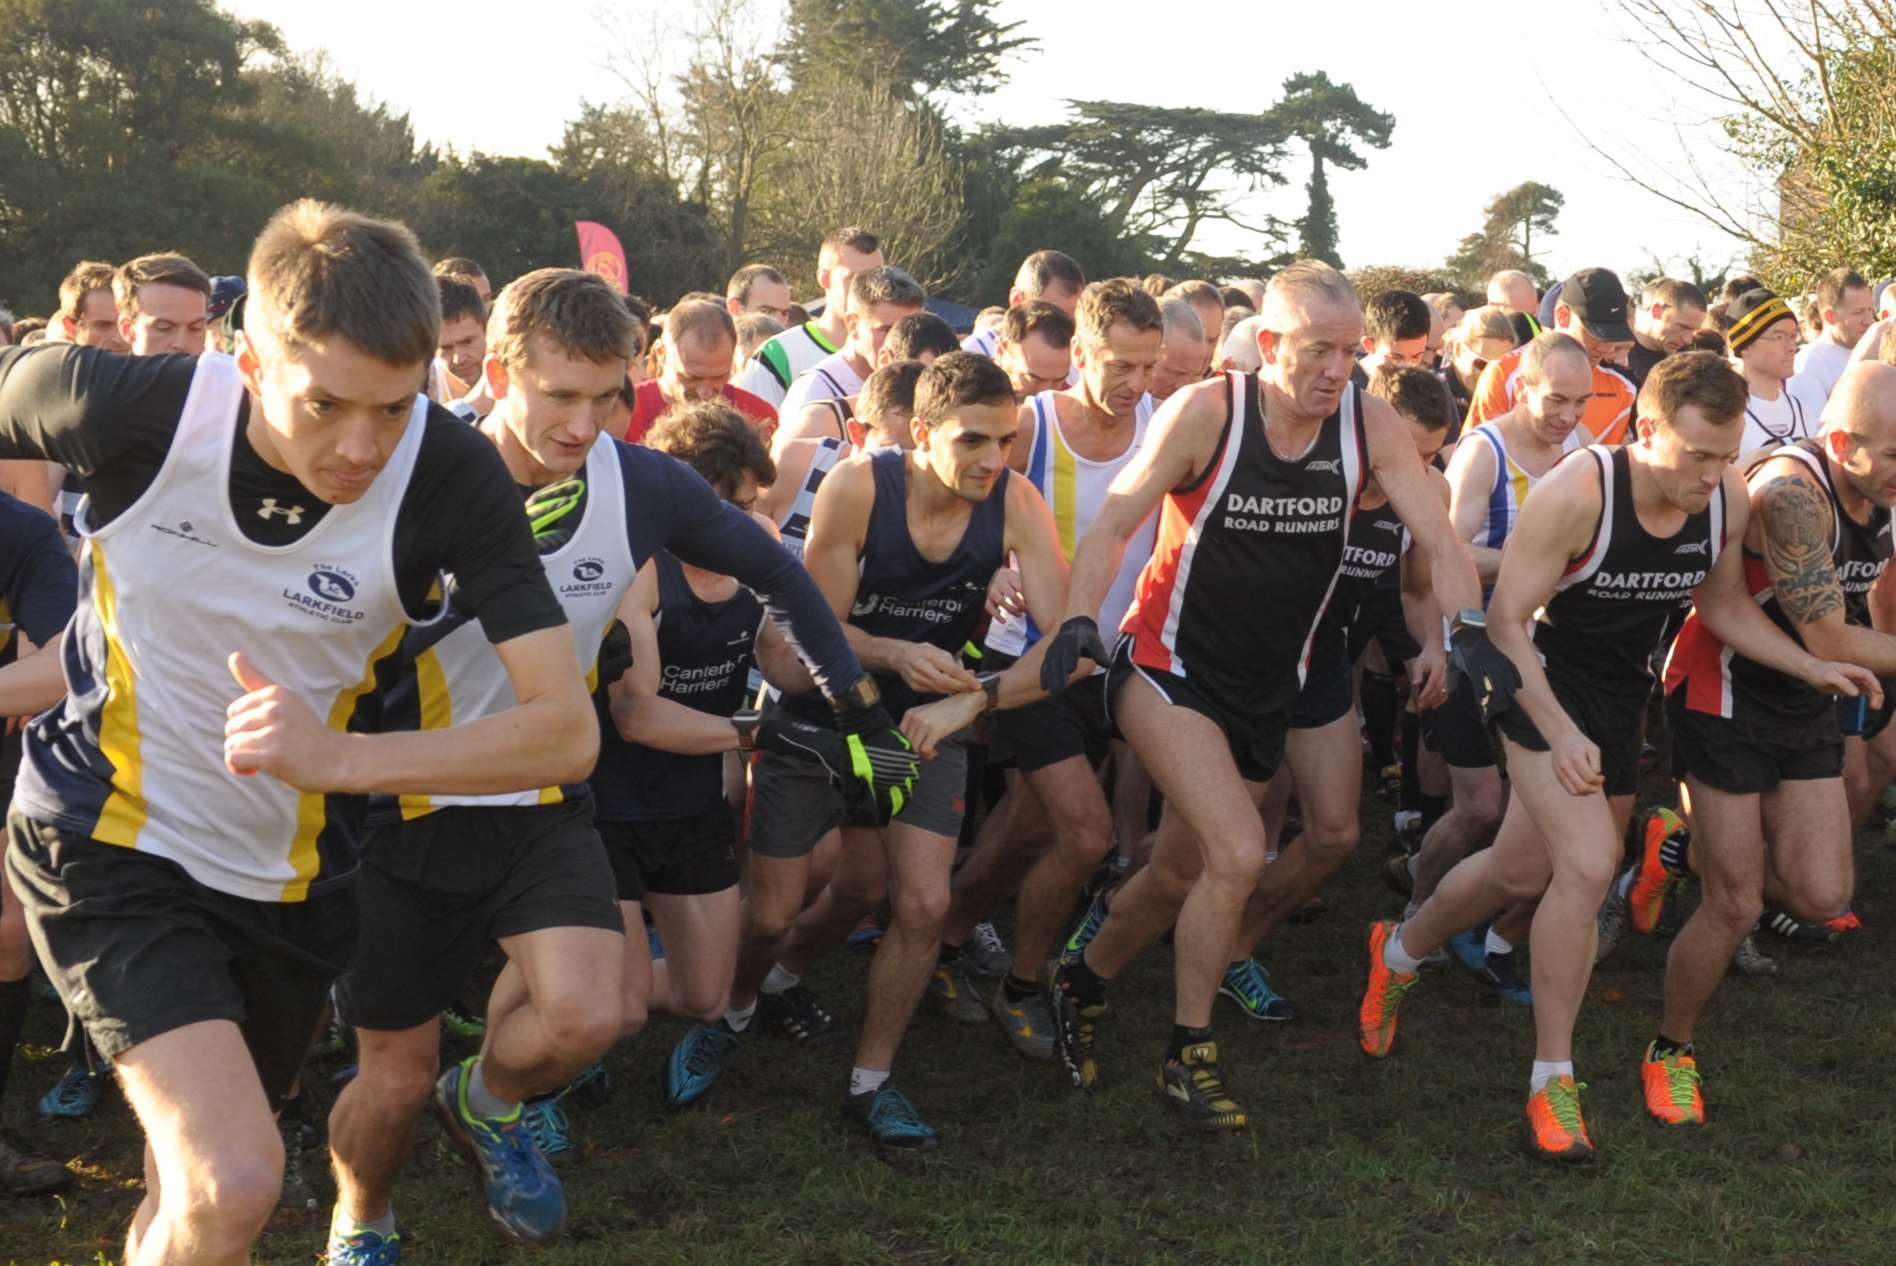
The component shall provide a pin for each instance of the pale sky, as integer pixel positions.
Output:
(1473, 115)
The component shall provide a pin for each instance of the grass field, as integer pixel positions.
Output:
(1413, 1160)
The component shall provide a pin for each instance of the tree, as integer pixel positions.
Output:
(1047, 212)
(1506, 238)
(914, 47)
(1376, 278)
(1331, 120)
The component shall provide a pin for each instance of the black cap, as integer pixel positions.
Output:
(225, 291)
(1597, 298)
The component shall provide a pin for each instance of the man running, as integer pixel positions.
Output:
(1611, 544)
(164, 305)
(793, 353)
(1185, 353)
(444, 874)
(1761, 333)
(182, 842)
(1036, 348)
(700, 344)
(1670, 312)
(1255, 478)
(759, 290)
(1844, 305)
(1396, 325)
(1758, 750)
(1045, 276)
(1592, 309)
(878, 298)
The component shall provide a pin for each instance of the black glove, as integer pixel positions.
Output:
(785, 735)
(881, 765)
(1077, 639)
(615, 653)
(1487, 667)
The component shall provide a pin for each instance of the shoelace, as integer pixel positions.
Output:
(1681, 1080)
(989, 938)
(892, 1108)
(1254, 983)
(76, 1089)
(1563, 1101)
(547, 1125)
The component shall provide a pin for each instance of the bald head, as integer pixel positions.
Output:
(1512, 289)
(1863, 404)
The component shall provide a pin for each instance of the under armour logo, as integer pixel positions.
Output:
(270, 507)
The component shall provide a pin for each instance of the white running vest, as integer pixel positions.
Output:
(1075, 488)
(461, 679)
(168, 590)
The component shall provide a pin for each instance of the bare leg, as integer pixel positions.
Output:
(1728, 853)
(372, 1126)
(919, 862)
(573, 979)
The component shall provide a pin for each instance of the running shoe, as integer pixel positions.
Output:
(1073, 1027)
(1086, 929)
(1502, 976)
(953, 992)
(1193, 1090)
(1027, 1023)
(867, 934)
(462, 1023)
(795, 1014)
(552, 1133)
(986, 954)
(75, 1094)
(1749, 960)
(1249, 985)
(362, 1248)
(1672, 1088)
(889, 1118)
(591, 1088)
(697, 1061)
(1614, 915)
(1470, 950)
(1784, 924)
(1376, 1018)
(24, 1172)
(1554, 1128)
(1653, 884)
(522, 1192)
(1398, 876)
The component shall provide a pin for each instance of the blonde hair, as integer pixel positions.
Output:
(319, 271)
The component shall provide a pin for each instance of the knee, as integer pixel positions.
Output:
(1331, 843)
(399, 1072)
(1086, 837)
(583, 1026)
(1238, 861)
(1480, 809)
(921, 906)
(1589, 870)
(767, 922)
(700, 1002)
(1819, 897)
(1733, 901)
(226, 1199)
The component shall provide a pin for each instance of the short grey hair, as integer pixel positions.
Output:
(1306, 281)
(1240, 350)
(1181, 321)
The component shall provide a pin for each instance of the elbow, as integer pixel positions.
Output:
(1825, 640)
(577, 752)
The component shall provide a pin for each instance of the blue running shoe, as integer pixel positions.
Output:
(1249, 985)
(696, 1062)
(552, 1133)
(75, 1094)
(1085, 930)
(522, 1192)
(1470, 949)
(363, 1248)
(866, 935)
(1500, 975)
(890, 1118)
(656, 946)
(591, 1088)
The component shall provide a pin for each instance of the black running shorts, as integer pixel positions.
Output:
(1329, 692)
(1615, 720)
(1741, 759)
(1456, 730)
(680, 857)
(1256, 738)
(1049, 731)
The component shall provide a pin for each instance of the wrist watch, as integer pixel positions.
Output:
(1468, 618)
(745, 721)
(863, 694)
(991, 687)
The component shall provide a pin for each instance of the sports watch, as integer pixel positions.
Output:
(745, 721)
(1468, 618)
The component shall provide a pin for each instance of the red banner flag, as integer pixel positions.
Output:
(600, 252)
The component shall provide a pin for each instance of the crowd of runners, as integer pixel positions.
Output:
(417, 623)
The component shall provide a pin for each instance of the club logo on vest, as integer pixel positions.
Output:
(330, 592)
(1694, 547)
(1328, 466)
(929, 610)
(185, 531)
(589, 576)
(1296, 515)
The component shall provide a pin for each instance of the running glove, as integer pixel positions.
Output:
(785, 735)
(1487, 667)
(882, 766)
(1077, 639)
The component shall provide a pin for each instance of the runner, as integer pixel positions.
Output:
(88, 316)
(163, 305)
(1758, 751)
(37, 593)
(919, 336)
(1513, 292)
(700, 349)
(1670, 312)
(1036, 348)
(141, 862)
(1761, 332)
(1204, 693)
(790, 355)
(463, 269)
(462, 345)
(878, 298)
(1610, 545)
(1396, 327)
(760, 290)
(1844, 305)
(1592, 309)
(1185, 354)
(445, 873)
(1043, 277)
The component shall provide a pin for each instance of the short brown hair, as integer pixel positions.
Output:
(575, 311)
(1673, 293)
(458, 266)
(1156, 284)
(1417, 395)
(1043, 270)
(1105, 304)
(853, 237)
(86, 276)
(920, 332)
(700, 319)
(885, 284)
(459, 299)
(1036, 317)
(318, 271)
(957, 379)
(739, 286)
(891, 387)
(716, 441)
(1831, 285)
(1705, 379)
(168, 269)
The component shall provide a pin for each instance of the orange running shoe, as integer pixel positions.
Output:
(1672, 1088)
(1653, 884)
(1376, 1018)
(1555, 1129)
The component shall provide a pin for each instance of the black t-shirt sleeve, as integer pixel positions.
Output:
(107, 418)
(462, 515)
(700, 528)
(39, 581)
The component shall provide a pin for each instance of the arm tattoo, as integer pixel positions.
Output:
(1797, 550)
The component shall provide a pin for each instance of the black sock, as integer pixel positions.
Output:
(1663, 1046)
(1379, 717)
(949, 954)
(1014, 989)
(1087, 986)
(14, 997)
(1432, 808)
(1411, 796)
(1184, 1036)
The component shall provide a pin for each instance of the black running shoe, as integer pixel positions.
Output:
(24, 1172)
(1194, 1091)
(1073, 1026)
(797, 1015)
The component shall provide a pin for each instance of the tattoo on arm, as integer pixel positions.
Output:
(1797, 550)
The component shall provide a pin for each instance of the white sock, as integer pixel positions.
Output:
(1545, 1070)
(739, 1018)
(1625, 885)
(1396, 958)
(341, 1224)
(483, 1102)
(866, 1081)
(779, 980)
(1496, 944)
